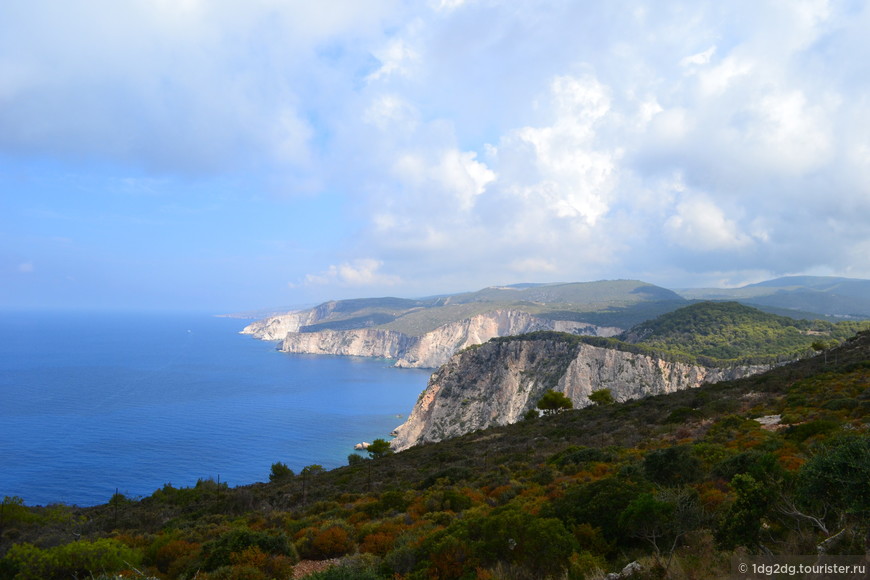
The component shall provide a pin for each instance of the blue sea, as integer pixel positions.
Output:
(94, 402)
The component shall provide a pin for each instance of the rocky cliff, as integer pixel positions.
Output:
(429, 350)
(496, 383)
(277, 327)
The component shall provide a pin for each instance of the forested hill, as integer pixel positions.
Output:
(730, 330)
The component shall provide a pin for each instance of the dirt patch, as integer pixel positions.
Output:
(306, 567)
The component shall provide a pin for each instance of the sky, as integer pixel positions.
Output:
(236, 155)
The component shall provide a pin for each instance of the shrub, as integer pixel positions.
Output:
(81, 558)
(761, 466)
(331, 542)
(597, 504)
(838, 479)
(672, 466)
(542, 546)
(218, 552)
(578, 455)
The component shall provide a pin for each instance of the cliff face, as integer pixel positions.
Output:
(498, 382)
(277, 327)
(430, 350)
(369, 342)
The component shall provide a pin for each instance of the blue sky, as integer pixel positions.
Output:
(225, 156)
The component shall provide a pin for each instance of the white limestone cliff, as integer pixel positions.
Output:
(498, 382)
(430, 350)
(277, 327)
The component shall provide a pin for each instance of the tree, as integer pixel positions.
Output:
(741, 524)
(823, 346)
(554, 402)
(663, 518)
(379, 448)
(602, 397)
(280, 471)
(834, 483)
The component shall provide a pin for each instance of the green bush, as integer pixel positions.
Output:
(761, 466)
(597, 504)
(837, 480)
(672, 466)
(579, 455)
(81, 558)
(218, 552)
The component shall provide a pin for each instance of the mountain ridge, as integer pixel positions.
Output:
(398, 328)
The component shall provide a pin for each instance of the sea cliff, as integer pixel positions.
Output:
(498, 382)
(428, 350)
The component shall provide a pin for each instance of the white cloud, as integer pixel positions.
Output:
(564, 170)
(361, 272)
(392, 112)
(533, 266)
(701, 226)
(451, 174)
(718, 79)
(699, 59)
(397, 58)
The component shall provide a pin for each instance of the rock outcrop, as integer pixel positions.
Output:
(277, 327)
(430, 350)
(498, 382)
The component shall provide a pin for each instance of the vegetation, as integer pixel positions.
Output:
(775, 463)
(554, 402)
(729, 330)
(718, 334)
(602, 397)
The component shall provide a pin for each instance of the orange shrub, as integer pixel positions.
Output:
(175, 556)
(331, 542)
(378, 543)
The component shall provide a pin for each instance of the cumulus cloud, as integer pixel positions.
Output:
(187, 87)
(700, 225)
(361, 272)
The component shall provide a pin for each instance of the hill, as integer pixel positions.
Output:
(678, 483)
(605, 303)
(798, 296)
(730, 330)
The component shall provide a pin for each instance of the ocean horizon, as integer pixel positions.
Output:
(99, 401)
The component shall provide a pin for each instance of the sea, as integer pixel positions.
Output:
(97, 402)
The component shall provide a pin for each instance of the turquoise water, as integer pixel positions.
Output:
(94, 402)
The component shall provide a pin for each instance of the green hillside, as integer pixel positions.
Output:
(777, 463)
(730, 330)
